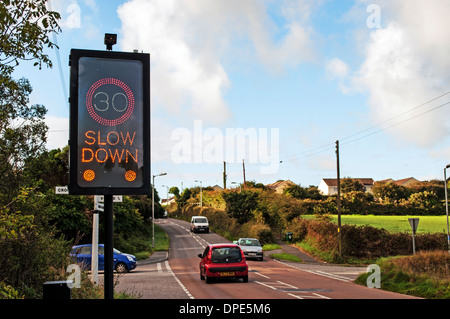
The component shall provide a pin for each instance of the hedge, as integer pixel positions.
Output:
(362, 241)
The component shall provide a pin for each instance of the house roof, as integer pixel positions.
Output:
(333, 181)
(402, 181)
(280, 184)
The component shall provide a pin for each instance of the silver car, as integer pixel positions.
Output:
(251, 248)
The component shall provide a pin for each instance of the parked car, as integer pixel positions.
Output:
(223, 261)
(251, 248)
(81, 254)
(199, 223)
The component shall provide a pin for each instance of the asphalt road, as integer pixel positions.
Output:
(178, 277)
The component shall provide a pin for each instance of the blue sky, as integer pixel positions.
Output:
(298, 74)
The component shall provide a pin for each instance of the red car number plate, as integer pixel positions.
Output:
(229, 273)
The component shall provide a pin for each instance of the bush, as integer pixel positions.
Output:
(425, 274)
(8, 292)
(362, 242)
(241, 205)
(31, 251)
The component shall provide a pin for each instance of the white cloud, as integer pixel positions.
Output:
(189, 41)
(336, 68)
(406, 64)
(58, 132)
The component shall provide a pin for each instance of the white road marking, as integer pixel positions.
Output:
(178, 281)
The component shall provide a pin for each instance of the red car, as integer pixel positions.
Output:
(223, 261)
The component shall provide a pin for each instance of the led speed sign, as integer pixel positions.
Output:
(109, 124)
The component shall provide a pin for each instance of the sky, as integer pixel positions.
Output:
(273, 84)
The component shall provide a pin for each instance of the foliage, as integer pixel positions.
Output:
(213, 199)
(22, 135)
(25, 28)
(127, 219)
(240, 205)
(183, 198)
(390, 192)
(277, 210)
(144, 205)
(299, 192)
(35, 251)
(351, 185)
(425, 200)
(49, 169)
(175, 191)
(363, 242)
(70, 215)
(8, 292)
(253, 184)
(425, 274)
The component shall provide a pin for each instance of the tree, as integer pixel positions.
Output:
(175, 191)
(390, 192)
(299, 192)
(425, 200)
(183, 198)
(296, 191)
(241, 205)
(32, 252)
(49, 169)
(25, 29)
(22, 134)
(351, 185)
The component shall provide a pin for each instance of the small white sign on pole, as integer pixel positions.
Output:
(61, 190)
(116, 198)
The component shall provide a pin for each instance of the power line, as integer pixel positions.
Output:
(396, 124)
(397, 116)
(312, 152)
(58, 59)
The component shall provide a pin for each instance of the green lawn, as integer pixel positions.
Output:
(427, 224)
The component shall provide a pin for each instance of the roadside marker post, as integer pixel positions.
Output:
(414, 222)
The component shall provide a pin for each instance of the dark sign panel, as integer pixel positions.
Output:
(109, 123)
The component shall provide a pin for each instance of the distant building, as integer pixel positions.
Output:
(280, 186)
(406, 182)
(217, 188)
(167, 201)
(328, 186)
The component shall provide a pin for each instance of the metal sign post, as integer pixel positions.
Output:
(414, 222)
(109, 247)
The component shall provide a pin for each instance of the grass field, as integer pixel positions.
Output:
(427, 224)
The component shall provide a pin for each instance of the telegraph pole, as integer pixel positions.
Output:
(243, 170)
(339, 199)
(224, 175)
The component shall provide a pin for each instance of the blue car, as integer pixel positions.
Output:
(122, 262)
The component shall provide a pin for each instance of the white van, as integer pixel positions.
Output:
(199, 223)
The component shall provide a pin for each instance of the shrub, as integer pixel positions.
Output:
(425, 274)
(241, 205)
(363, 242)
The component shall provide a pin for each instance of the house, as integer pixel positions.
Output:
(328, 186)
(168, 201)
(217, 188)
(279, 186)
(406, 182)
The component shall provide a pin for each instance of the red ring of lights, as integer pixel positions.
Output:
(94, 114)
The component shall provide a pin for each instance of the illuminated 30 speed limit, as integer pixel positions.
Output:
(110, 101)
